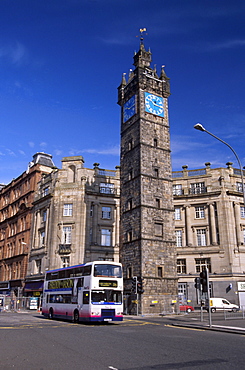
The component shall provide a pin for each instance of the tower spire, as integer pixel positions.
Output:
(142, 30)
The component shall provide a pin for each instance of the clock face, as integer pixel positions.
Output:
(154, 104)
(129, 109)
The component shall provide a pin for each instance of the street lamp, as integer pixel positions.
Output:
(200, 127)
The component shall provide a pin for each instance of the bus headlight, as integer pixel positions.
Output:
(95, 313)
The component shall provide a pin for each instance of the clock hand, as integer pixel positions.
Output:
(130, 107)
(160, 106)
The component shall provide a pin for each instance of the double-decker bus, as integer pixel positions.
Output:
(89, 292)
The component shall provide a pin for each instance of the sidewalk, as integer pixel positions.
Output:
(235, 325)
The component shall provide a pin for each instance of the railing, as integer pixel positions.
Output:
(110, 173)
(229, 315)
(189, 173)
(64, 248)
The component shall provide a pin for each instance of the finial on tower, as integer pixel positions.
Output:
(142, 30)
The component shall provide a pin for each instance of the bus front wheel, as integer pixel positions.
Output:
(76, 316)
(51, 314)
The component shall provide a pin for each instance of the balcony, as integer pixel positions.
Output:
(64, 249)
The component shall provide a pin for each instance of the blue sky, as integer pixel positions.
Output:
(61, 62)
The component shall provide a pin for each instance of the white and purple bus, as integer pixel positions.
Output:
(89, 292)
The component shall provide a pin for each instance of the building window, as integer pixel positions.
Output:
(106, 212)
(155, 143)
(198, 188)
(129, 236)
(130, 204)
(38, 266)
(177, 213)
(158, 229)
(177, 189)
(199, 211)
(45, 191)
(158, 203)
(156, 172)
(66, 235)
(41, 238)
(67, 210)
(130, 175)
(91, 210)
(181, 266)
(182, 292)
(45, 215)
(239, 186)
(242, 209)
(129, 272)
(65, 261)
(178, 235)
(130, 145)
(202, 263)
(106, 237)
(159, 271)
(107, 188)
(201, 237)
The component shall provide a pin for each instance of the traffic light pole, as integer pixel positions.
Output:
(209, 309)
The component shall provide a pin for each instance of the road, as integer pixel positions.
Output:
(28, 341)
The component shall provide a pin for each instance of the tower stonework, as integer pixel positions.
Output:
(147, 242)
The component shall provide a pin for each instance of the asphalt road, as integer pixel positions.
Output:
(28, 341)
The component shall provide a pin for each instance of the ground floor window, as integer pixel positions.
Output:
(182, 292)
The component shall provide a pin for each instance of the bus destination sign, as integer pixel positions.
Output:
(107, 284)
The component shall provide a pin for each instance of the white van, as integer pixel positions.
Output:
(222, 304)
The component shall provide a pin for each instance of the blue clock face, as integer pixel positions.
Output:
(129, 109)
(154, 104)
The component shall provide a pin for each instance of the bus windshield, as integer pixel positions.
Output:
(107, 270)
(108, 296)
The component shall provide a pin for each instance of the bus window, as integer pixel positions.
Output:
(87, 270)
(86, 297)
(106, 296)
(107, 270)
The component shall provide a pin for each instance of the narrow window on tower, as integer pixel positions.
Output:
(158, 203)
(130, 144)
(155, 143)
(156, 172)
(130, 204)
(129, 272)
(129, 236)
(159, 271)
(130, 175)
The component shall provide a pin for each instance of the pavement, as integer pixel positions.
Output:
(229, 322)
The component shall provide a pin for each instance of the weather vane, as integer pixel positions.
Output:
(142, 30)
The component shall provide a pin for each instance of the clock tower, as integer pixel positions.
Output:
(147, 242)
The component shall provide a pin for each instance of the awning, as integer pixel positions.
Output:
(36, 286)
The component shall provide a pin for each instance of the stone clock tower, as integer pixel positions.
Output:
(147, 242)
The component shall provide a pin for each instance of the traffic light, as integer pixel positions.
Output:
(204, 281)
(134, 284)
(197, 283)
(140, 287)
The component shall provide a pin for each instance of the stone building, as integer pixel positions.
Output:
(16, 204)
(147, 244)
(210, 231)
(75, 219)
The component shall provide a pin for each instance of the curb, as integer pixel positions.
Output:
(224, 329)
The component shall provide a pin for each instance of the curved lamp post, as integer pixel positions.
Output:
(200, 127)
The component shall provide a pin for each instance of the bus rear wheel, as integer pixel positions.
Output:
(76, 316)
(51, 314)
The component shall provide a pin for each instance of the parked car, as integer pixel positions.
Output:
(186, 308)
(217, 304)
